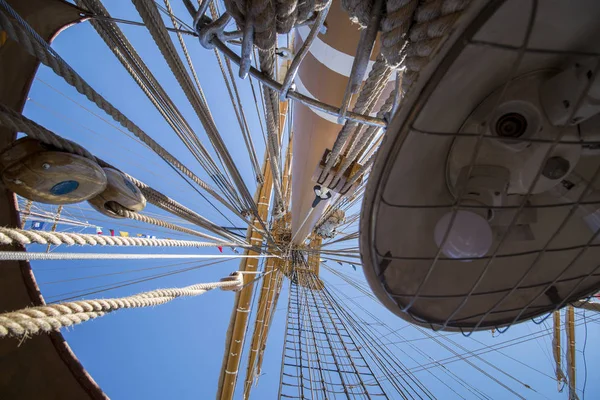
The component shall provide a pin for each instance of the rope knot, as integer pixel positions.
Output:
(237, 280)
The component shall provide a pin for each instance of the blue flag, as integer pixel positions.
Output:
(37, 225)
(353, 266)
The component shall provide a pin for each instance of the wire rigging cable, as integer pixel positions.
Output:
(37, 47)
(135, 66)
(150, 15)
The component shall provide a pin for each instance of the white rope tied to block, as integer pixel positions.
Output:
(52, 317)
(23, 237)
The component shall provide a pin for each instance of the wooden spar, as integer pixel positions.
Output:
(570, 329)
(265, 309)
(269, 293)
(323, 75)
(241, 308)
(234, 342)
(556, 350)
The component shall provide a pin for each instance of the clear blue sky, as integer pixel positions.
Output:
(175, 350)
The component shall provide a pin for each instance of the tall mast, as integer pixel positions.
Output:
(570, 329)
(236, 333)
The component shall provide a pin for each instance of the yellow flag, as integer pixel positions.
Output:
(140, 235)
(124, 234)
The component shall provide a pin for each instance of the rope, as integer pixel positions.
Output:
(18, 122)
(371, 91)
(36, 46)
(9, 236)
(33, 256)
(139, 71)
(432, 23)
(261, 21)
(362, 138)
(123, 212)
(151, 17)
(237, 106)
(166, 203)
(52, 317)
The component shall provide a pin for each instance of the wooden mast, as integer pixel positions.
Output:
(269, 293)
(236, 333)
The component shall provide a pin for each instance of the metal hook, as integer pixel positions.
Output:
(247, 44)
(215, 29)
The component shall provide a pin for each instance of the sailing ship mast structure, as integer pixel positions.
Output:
(300, 201)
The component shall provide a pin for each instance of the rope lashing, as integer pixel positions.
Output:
(411, 30)
(53, 317)
(10, 236)
(262, 20)
(410, 33)
(371, 90)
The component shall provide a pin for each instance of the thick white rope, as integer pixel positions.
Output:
(52, 317)
(36, 46)
(123, 212)
(10, 236)
(17, 122)
(34, 256)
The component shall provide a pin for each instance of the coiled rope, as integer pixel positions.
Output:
(53, 317)
(411, 32)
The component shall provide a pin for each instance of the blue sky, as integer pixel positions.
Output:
(175, 350)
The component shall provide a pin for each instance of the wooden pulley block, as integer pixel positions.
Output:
(41, 173)
(119, 190)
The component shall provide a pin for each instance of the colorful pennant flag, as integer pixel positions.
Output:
(112, 232)
(339, 262)
(353, 266)
(98, 230)
(140, 235)
(37, 225)
(220, 248)
(124, 234)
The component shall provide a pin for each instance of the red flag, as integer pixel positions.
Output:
(112, 232)
(220, 248)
